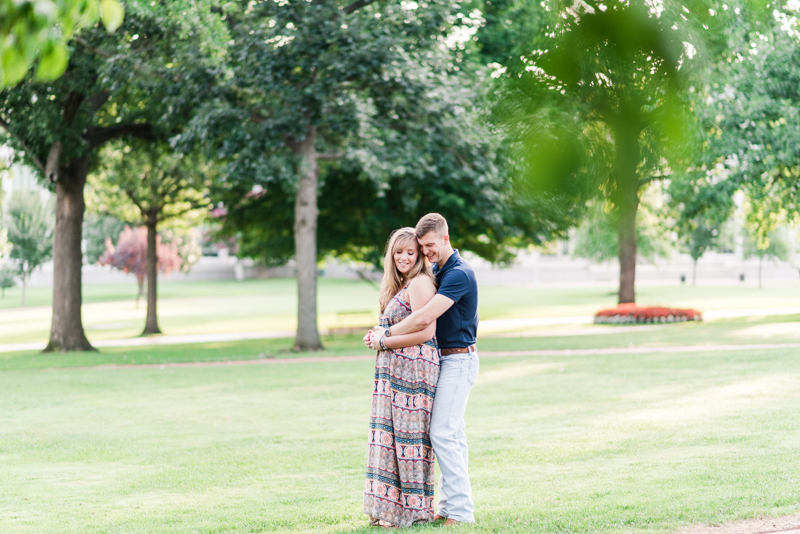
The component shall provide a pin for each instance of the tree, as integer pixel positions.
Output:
(699, 214)
(32, 28)
(598, 107)
(770, 245)
(454, 167)
(698, 242)
(310, 79)
(7, 273)
(748, 113)
(140, 82)
(597, 237)
(131, 255)
(506, 30)
(763, 218)
(8, 278)
(162, 186)
(96, 229)
(29, 233)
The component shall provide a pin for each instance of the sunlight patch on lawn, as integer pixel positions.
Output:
(769, 330)
(517, 371)
(713, 402)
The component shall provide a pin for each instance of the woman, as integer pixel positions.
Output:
(399, 486)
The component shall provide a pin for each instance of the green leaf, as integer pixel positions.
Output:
(53, 63)
(112, 14)
(14, 66)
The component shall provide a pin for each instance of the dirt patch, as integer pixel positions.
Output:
(789, 524)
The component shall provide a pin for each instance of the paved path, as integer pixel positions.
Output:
(532, 322)
(163, 340)
(497, 325)
(489, 354)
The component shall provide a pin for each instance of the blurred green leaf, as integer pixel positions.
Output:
(112, 14)
(41, 29)
(52, 63)
(14, 66)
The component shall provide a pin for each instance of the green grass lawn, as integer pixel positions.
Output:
(109, 311)
(739, 331)
(611, 443)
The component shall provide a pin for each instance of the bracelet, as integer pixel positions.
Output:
(382, 343)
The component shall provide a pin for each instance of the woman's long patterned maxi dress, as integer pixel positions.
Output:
(400, 481)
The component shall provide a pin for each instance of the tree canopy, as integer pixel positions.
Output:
(142, 81)
(747, 112)
(362, 96)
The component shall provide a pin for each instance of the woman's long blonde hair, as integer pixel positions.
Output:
(394, 280)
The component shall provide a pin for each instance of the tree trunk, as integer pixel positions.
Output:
(760, 261)
(305, 240)
(151, 324)
(140, 293)
(694, 272)
(626, 199)
(66, 330)
(24, 284)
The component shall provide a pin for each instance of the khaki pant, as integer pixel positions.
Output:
(457, 375)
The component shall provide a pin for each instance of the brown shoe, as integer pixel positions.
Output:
(438, 517)
(451, 523)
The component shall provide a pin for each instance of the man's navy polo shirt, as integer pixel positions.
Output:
(458, 326)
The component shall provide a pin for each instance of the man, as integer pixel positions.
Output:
(455, 310)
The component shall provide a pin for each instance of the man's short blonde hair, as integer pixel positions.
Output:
(432, 222)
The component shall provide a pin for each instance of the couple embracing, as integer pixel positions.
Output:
(426, 366)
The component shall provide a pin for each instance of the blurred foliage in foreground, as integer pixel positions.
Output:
(597, 109)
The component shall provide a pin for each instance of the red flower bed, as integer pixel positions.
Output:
(633, 314)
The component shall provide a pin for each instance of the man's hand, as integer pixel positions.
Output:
(379, 332)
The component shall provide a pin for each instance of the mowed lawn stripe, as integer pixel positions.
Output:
(361, 357)
(639, 443)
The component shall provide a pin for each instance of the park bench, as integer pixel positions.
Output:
(353, 321)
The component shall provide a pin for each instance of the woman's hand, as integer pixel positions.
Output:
(374, 341)
(366, 339)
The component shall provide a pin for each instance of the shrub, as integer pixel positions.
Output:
(633, 314)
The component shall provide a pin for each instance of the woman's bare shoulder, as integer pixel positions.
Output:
(422, 284)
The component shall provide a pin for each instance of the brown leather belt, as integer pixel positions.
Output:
(448, 352)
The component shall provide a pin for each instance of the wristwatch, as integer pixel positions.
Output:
(387, 332)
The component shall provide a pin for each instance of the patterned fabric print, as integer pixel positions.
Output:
(399, 485)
